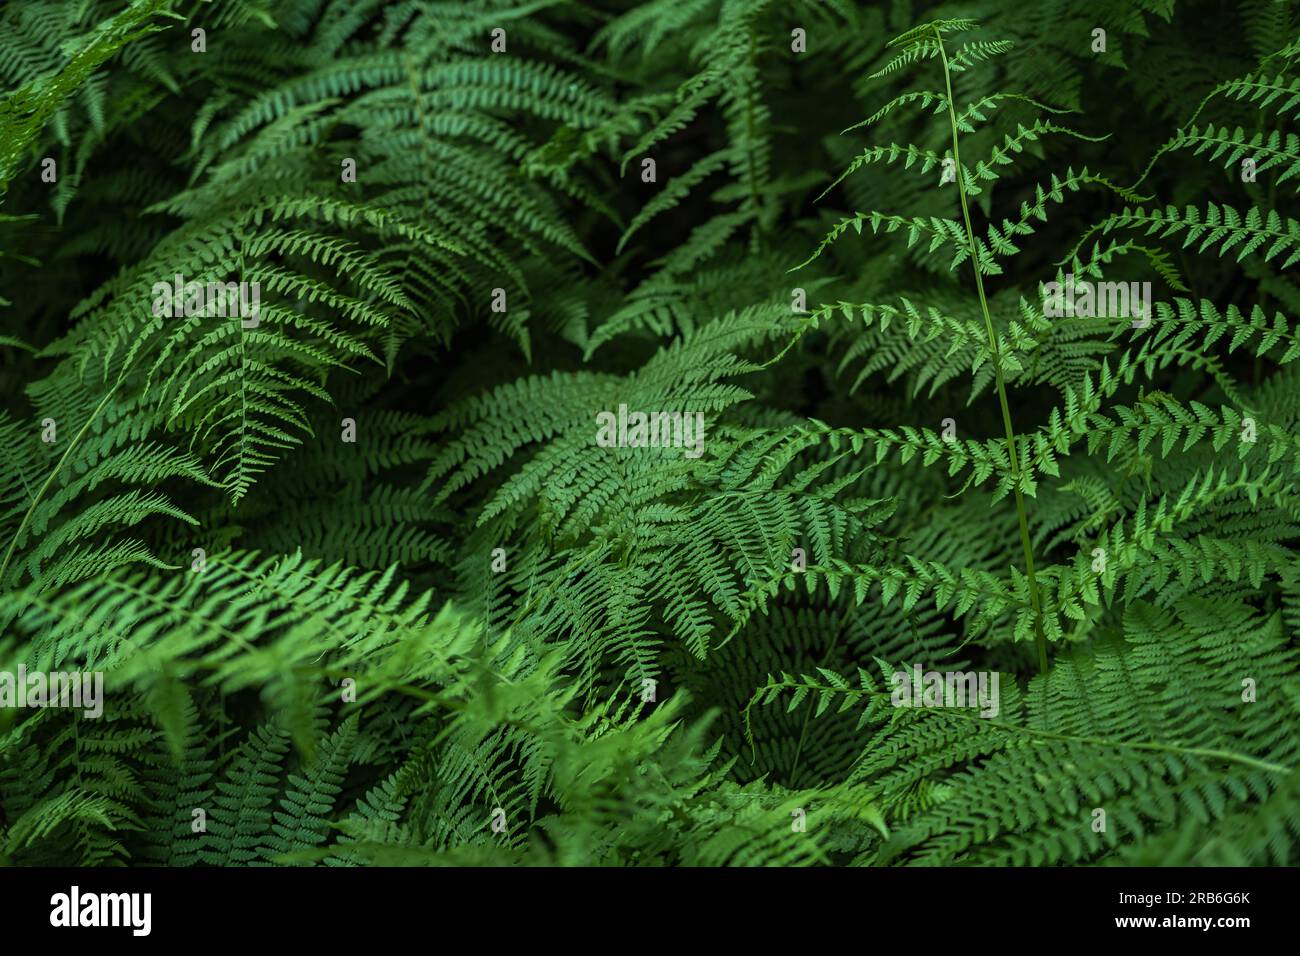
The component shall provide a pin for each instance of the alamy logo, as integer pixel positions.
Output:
(53, 689)
(103, 909)
(1121, 300)
(948, 689)
(655, 430)
(213, 299)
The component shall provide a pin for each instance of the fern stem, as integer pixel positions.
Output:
(1039, 637)
(749, 126)
(50, 477)
(1209, 753)
(807, 718)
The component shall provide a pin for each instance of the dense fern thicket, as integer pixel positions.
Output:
(375, 574)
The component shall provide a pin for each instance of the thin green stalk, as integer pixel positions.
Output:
(50, 477)
(1003, 726)
(749, 126)
(1039, 638)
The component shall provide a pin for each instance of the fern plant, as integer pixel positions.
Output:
(363, 582)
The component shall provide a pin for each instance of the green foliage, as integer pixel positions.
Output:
(366, 586)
